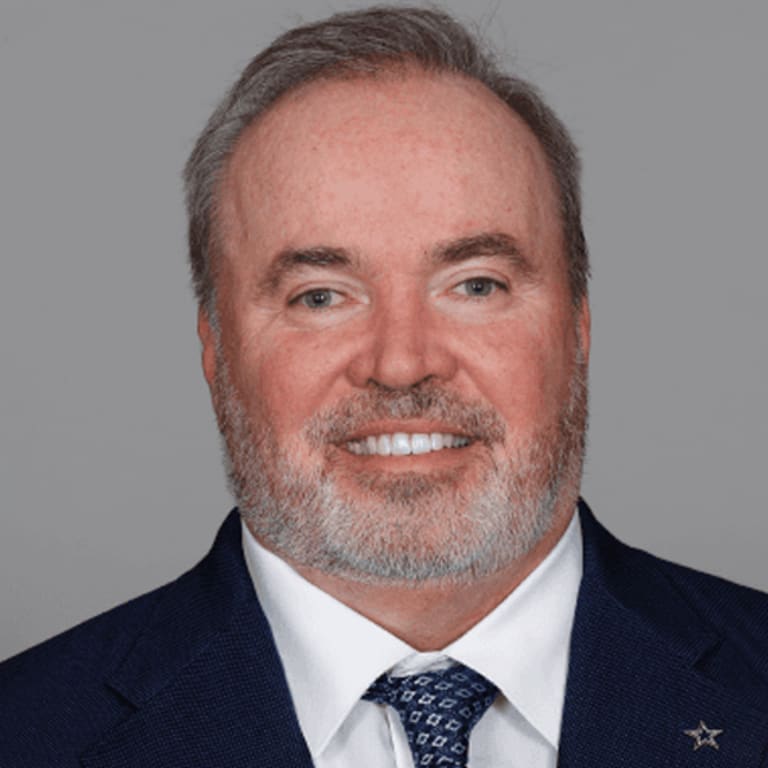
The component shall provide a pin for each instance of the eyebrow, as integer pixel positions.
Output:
(292, 260)
(485, 244)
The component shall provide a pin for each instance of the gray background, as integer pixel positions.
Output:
(110, 479)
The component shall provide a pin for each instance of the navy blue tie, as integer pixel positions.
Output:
(438, 709)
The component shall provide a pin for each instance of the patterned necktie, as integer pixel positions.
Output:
(438, 709)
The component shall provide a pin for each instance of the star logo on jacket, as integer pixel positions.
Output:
(703, 736)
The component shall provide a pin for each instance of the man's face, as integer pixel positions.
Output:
(393, 282)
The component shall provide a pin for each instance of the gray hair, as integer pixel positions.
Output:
(360, 43)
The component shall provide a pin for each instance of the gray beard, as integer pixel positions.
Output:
(402, 527)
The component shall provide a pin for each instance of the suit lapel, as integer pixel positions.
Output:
(640, 672)
(204, 680)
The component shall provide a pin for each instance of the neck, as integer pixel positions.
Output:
(431, 615)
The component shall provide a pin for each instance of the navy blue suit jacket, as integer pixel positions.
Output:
(188, 675)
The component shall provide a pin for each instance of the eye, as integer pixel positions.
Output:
(479, 287)
(318, 298)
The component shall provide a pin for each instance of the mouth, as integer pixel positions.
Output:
(406, 443)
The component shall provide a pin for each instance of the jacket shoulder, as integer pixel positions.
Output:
(718, 626)
(58, 698)
(738, 613)
(734, 617)
(53, 697)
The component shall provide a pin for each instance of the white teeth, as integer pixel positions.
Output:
(401, 444)
(404, 444)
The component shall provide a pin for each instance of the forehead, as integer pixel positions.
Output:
(401, 159)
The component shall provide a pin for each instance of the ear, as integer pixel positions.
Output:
(583, 327)
(207, 335)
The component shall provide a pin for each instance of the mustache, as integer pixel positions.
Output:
(424, 401)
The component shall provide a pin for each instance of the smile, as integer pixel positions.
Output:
(403, 444)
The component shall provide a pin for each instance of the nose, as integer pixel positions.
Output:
(404, 344)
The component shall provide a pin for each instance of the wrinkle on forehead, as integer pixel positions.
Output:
(344, 128)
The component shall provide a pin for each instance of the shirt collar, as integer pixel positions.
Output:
(523, 644)
(331, 654)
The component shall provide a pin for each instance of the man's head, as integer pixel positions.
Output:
(360, 43)
(391, 273)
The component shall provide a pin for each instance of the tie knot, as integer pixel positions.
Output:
(438, 709)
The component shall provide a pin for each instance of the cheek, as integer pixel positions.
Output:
(522, 371)
(290, 380)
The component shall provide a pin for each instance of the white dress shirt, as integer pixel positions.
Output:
(331, 654)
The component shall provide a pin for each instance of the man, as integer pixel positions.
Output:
(387, 250)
